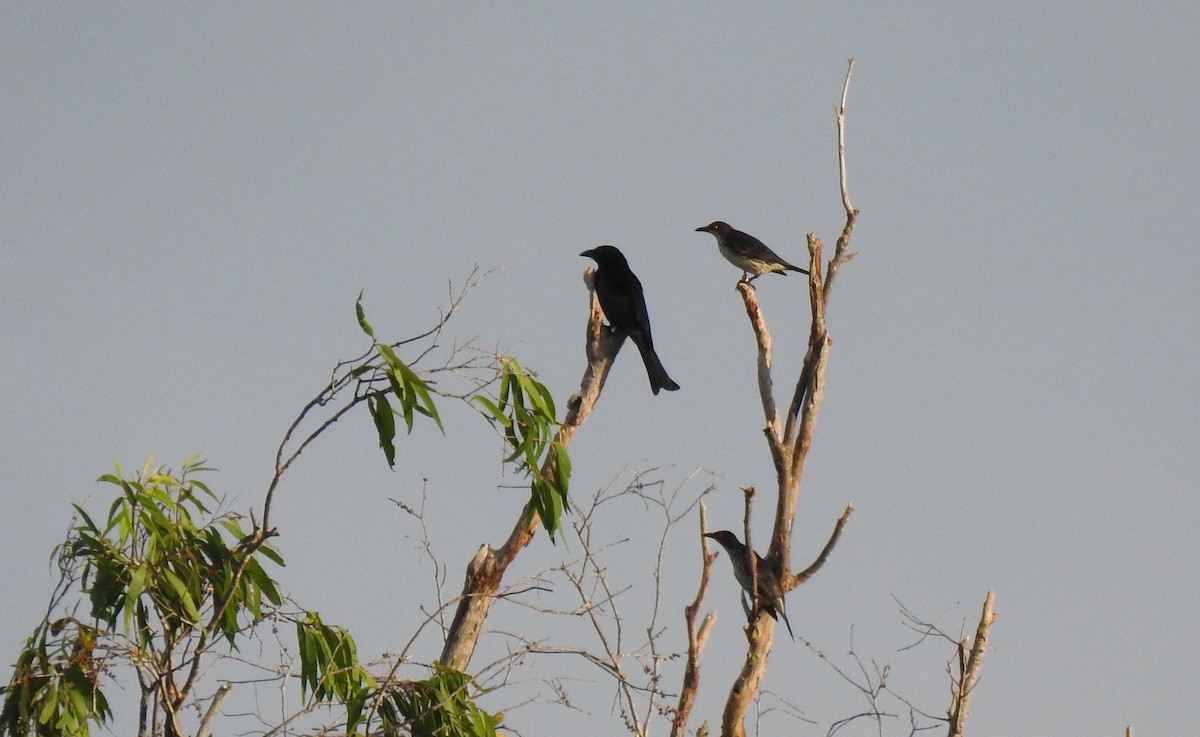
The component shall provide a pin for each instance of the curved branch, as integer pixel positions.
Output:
(352, 371)
(807, 573)
(762, 338)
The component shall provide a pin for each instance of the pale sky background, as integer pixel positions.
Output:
(193, 196)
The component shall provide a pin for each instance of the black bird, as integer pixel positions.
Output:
(747, 252)
(770, 593)
(620, 295)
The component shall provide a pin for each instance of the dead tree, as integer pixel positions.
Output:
(790, 437)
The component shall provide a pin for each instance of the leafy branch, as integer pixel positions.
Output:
(524, 410)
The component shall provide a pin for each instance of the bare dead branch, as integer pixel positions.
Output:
(214, 707)
(697, 636)
(751, 558)
(841, 128)
(841, 254)
(807, 573)
(811, 385)
(762, 339)
(960, 702)
(744, 689)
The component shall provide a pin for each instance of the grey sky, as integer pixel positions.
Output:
(193, 195)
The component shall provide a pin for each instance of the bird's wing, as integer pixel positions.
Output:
(623, 302)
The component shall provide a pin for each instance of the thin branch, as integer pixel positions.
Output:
(612, 650)
(807, 573)
(748, 548)
(811, 384)
(817, 302)
(352, 372)
(841, 255)
(213, 708)
(762, 339)
(697, 636)
(841, 129)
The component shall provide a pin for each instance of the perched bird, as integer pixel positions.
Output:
(770, 593)
(620, 295)
(747, 252)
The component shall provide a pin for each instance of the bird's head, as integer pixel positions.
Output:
(716, 227)
(605, 255)
(727, 539)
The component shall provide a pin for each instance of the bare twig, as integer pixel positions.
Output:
(807, 573)
(751, 558)
(697, 636)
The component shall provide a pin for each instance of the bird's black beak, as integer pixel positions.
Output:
(587, 253)
(703, 229)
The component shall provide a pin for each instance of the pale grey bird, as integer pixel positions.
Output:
(770, 592)
(747, 252)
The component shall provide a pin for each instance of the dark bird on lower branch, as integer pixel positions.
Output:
(624, 305)
(770, 592)
(747, 252)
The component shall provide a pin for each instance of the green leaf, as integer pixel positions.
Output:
(418, 387)
(308, 664)
(544, 500)
(496, 413)
(526, 411)
(88, 523)
(185, 595)
(272, 555)
(405, 396)
(482, 722)
(195, 464)
(79, 704)
(49, 698)
(505, 386)
(362, 317)
(561, 469)
(385, 426)
(533, 390)
(137, 582)
(233, 527)
(389, 356)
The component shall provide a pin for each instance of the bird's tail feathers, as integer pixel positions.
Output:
(654, 368)
(789, 624)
